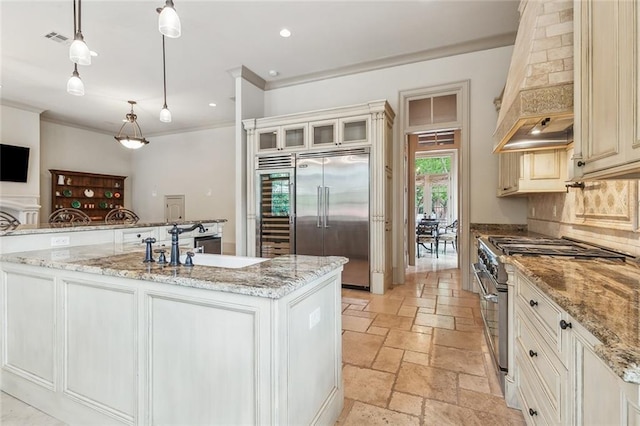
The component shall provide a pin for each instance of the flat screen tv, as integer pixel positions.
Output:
(14, 163)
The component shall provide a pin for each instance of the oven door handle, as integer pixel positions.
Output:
(478, 269)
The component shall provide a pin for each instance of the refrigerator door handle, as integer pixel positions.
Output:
(326, 206)
(318, 204)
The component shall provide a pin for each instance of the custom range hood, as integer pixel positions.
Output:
(536, 106)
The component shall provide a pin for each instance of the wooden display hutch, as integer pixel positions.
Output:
(95, 194)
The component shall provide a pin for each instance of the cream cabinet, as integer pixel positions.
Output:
(344, 131)
(331, 130)
(541, 353)
(601, 397)
(93, 349)
(560, 378)
(134, 236)
(607, 107)
(282, 138)
(522, 173)
(508, 173)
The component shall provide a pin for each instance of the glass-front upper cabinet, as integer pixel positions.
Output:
(323, 132)
(351, 130)
(354, 130)
(283, 138)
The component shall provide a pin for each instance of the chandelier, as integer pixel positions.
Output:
(135, 141)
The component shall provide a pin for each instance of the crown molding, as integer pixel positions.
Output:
(19, 105)
(248, 75)
(486, 43)
(147, 135)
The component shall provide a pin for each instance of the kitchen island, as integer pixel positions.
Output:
(91, 334)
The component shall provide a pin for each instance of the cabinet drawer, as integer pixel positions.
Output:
(539, 307)
(134, 235)
(541, 361)
(533, 411)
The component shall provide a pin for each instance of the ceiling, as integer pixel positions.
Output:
(329, 38)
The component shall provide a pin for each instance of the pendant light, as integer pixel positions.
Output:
(75, 86)
(169, 22)
(79, 51)
(165, 114)
(136, 141)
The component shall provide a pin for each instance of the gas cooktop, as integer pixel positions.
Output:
(543, 246)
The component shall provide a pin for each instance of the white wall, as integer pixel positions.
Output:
(249, 104)
(22, 128)
(487, 71)
(69, 148)
(199, 165)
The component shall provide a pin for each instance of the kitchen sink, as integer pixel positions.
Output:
(222, 261)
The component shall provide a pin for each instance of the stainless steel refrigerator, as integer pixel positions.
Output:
(332, 209)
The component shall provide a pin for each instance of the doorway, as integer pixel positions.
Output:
(423, 110)
(433, 196)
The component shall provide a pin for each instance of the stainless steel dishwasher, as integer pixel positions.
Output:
(210, 244)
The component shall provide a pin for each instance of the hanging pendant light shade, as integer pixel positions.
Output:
(165, 114)
(75, 86)
(136, 140)
(169, 22)
(79, 52)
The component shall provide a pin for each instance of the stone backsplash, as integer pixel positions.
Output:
(603, 212)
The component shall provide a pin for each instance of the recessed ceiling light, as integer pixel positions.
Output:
(273, 73)
(212, 104)
(285, 32)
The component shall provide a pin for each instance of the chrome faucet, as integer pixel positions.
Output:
(175, 248)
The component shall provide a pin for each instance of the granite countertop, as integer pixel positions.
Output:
(46, 228)
(273, 278)
(602, 295)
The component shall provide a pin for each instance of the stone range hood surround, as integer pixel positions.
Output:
(539, 88)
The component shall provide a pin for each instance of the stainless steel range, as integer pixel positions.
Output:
(491, 279)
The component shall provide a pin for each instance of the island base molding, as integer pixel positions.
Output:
(92, 349)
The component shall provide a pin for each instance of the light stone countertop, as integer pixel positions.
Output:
(273, 278)
(46, 228)
(602, 295)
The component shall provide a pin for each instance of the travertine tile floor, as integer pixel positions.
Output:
(417, 355)
(414, 356)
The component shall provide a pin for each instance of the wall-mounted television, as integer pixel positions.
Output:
(14, 163)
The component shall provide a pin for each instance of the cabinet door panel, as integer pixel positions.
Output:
(294, 137)
(607, 128)
(600, 402)
(268, 140)
(603, 81)
(323, 133)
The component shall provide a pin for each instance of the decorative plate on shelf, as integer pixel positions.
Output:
(117, 195)
(103, 205)
(108, 194)
(88, 193)
(67, 193)
(75, 204)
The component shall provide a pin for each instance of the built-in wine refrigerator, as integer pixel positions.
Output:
(275, 213)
